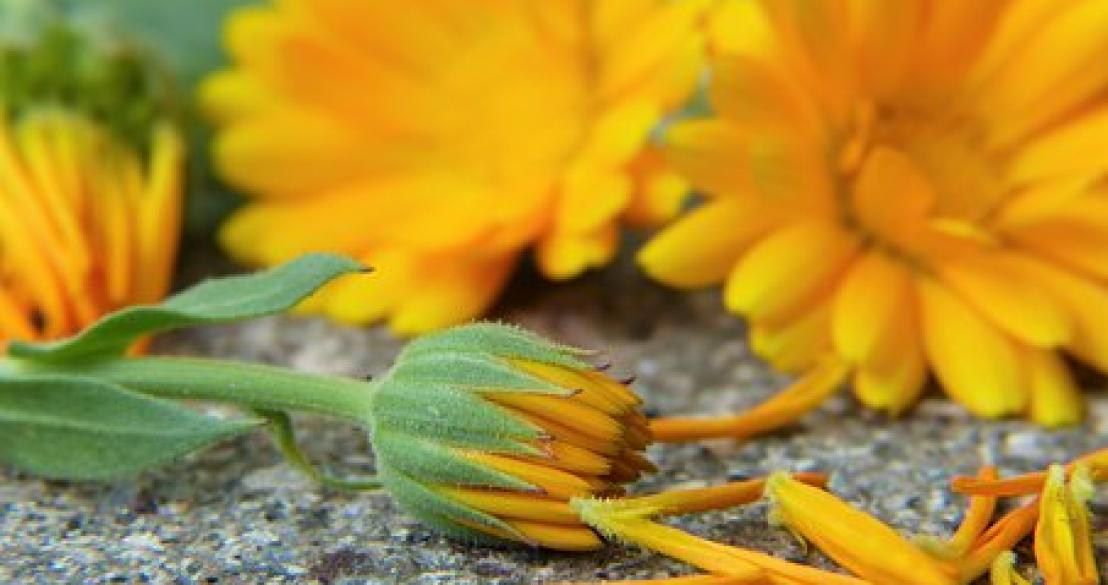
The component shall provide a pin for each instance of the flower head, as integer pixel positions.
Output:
(439, 139)
(486, 431)
(914, 188)
(90, 181)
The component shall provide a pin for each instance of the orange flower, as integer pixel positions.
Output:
(912, 188)
(90, 184)
(439, 139)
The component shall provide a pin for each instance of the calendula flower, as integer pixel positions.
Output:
(486, 432)
(439, 139)
(1063, 540)
(859, 542)
(906, 188)
(90, 181)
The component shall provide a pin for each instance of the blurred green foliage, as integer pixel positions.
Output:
(185, 36)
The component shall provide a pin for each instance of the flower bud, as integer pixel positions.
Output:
(486, 432)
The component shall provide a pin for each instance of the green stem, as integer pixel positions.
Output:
(247, 385)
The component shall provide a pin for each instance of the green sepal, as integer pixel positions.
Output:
(452, 415)
(433, 462)
(506, 341)
(475, 370)
(80, 428)
(219, 300)
(437, 510)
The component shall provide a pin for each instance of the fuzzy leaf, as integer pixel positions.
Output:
(79, 428)
(219, 300)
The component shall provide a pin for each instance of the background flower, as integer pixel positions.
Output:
(90, 177)
(911, 188)
(438, 139)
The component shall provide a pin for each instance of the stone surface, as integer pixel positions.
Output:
(237, 514)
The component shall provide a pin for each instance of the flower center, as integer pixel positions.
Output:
(916, 182)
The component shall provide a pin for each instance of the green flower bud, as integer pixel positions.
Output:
(49, 60)
(486, 432)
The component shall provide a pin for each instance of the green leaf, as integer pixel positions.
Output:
(80, 428)
(219, 300)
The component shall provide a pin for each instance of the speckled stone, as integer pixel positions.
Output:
(236, 514)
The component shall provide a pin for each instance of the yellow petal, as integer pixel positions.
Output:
(795, 345)
(1078, 147)
(1085, 301)
(702, 247)
(287, 152)
(975, 362)
(1063, 542)
(565, 255)
(859, 542)
(1020, 307)
(1055, 398)
(782, 408)
(449, 291)
(590, 197)
(898, 217)
(788, 270)
(227, 96)
(1003, 571)
(1050, 72)
(875, 294)
(659, 191)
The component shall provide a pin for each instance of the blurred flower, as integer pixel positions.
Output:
(909, 188)
(486, 431)
(859, 542)
(90, 180)
(1063, 540)
(436, 140)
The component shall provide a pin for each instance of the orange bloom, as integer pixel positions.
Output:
(913, 188)
(439, 139)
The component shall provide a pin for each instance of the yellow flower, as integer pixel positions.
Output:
(486, 432)
(90, 184)
(910, 187)
(437, 140)
(1063, 541)
(859, 542)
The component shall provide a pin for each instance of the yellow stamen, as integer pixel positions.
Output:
(1063, 542)
(785, 407)
(859, 542)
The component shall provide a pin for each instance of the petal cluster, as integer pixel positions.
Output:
(916, 188)
(486, 432)
(440, 139)
(91, 170)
